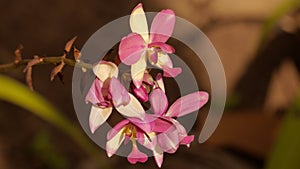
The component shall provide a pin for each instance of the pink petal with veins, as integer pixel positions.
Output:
(118, 93)
(162, 26)
(159, 101)
(94, 95)
(161, 125)
(171, 72)
(187, 104)
(169, 140)
(131, 48)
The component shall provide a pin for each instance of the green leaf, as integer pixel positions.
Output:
(46, 152)
(284, 8)
(19, 94)
(286, 152)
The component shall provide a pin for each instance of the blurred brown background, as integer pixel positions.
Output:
(248, 129)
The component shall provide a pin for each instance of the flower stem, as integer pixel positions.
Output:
(44, 60)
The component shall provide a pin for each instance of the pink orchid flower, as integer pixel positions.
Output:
(131, 129)
(165, 133)
(168, 133)
(106, 92)
(159, 132)
(135, 48)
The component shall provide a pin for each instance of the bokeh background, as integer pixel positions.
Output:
(258, 43)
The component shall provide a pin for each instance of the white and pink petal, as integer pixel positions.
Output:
(138, 70)
(104, 70)
(138, 22)
(94, 94)
(98, 116)
(113, 144)
(132, 109)
(169, 140)
(131, 48)
(119, 93)
(158, 156)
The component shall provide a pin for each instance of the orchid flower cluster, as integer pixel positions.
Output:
(158, 131)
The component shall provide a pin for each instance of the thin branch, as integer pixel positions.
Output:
(44, 60)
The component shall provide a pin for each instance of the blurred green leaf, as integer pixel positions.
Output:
(286, 152)
(19, 94)
(284, 8)
(47, 153)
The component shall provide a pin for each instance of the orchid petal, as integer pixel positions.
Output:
(118, 93)
(138, 22)
(182, 135)
(141, 93)
(94, 94)
(160, 125)
(162, 26)
(187, 140)
(131, 48)
(169, 140)
(114, 143)
(132, 109)
(159, 101)
(149, 141)
(187, 104)
(164, 60)
(153, 57)
(158, 156)
(136, 156)
(160, 82)
(138, 70)
(171, 72)
(141, 125)
(116, 129)
(98, 116)
(105, 70)
(163, 46)
(180, 129)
